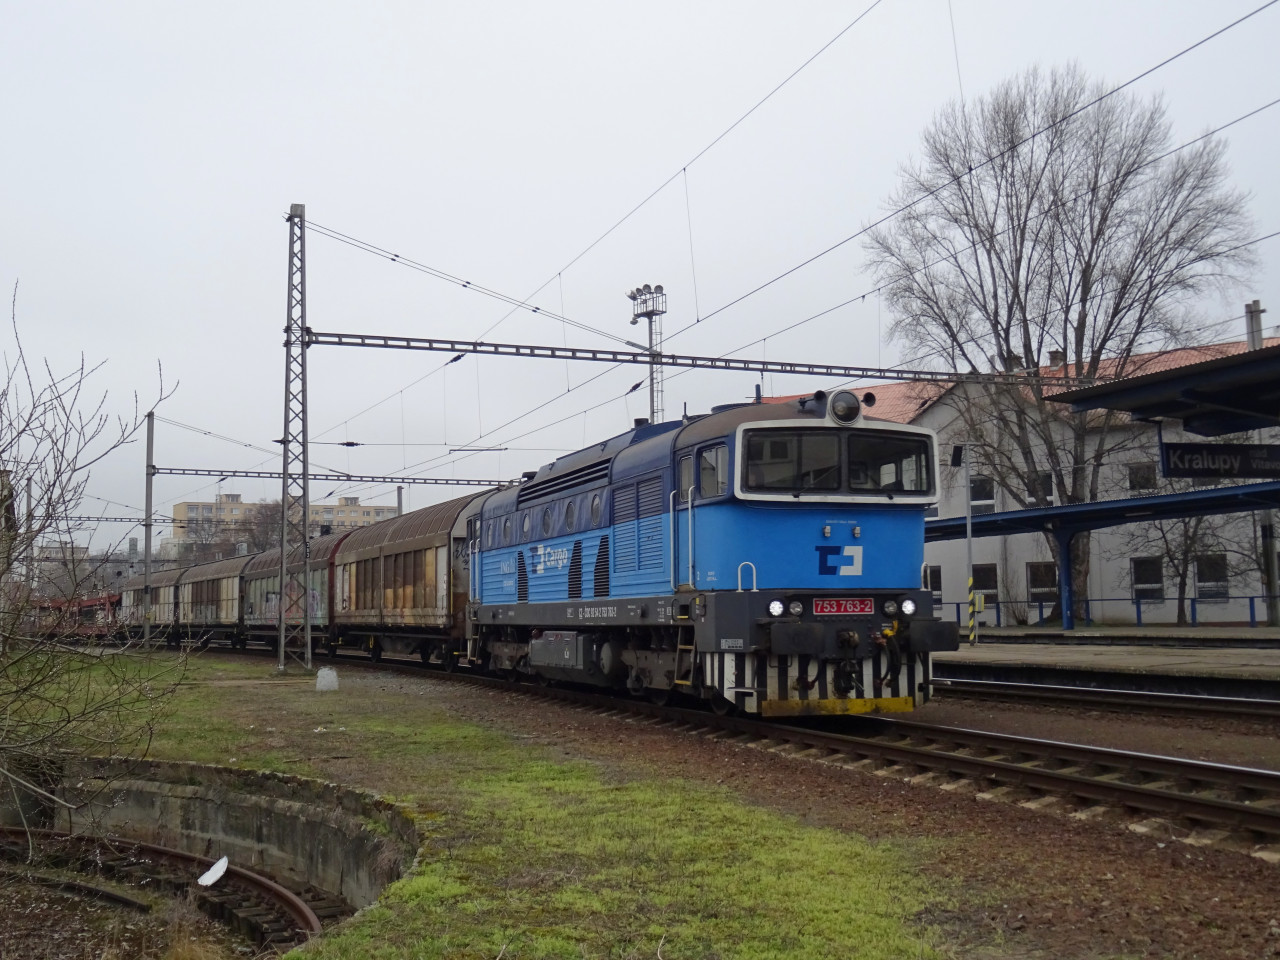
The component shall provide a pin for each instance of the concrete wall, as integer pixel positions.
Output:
(302, 832)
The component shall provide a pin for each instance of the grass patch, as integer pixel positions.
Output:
(535, 857)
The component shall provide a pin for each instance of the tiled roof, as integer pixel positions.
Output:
(905, 400)
(900, 402)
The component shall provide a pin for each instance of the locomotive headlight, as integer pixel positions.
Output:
(908, 606)
(890, 608)
(845, 407)
(776, 608)
(795, 608)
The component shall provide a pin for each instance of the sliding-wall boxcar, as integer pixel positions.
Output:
(164, 605)
(261, 588)
(209, 605)
(401, 585)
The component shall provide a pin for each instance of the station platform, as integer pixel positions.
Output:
(1178, 661)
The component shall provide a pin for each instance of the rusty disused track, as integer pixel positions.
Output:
(1242, 801)
(253, 906)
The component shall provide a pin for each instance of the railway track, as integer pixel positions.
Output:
(1090, 697)
(253, 906)
(1182, 799)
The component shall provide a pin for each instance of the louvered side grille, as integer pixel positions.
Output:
(601, 586)
(649, 497)
(522, 579)
(575, 571)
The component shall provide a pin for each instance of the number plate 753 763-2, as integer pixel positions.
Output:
(844, 606)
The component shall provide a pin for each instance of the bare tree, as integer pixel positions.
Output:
(262, 532)
(57, 700)
(1049, 227)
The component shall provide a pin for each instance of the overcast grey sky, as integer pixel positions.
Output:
(152, 150)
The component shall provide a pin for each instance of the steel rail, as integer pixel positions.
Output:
(303, 921)
(1093, 697)
(1173, 787)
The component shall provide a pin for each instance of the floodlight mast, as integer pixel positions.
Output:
(295, 594)
(651, 303)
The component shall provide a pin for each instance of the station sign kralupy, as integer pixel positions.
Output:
(1220, 460)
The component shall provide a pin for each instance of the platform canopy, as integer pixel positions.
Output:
(1214, 397)
(1071, 518)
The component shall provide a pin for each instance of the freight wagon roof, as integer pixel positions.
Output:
(437, 519)
(322, 550)
(263, 563)
(217, 569)
(159, 578)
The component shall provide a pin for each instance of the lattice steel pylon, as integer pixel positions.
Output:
(294, 603)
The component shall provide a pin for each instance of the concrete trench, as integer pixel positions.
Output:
(302, 832)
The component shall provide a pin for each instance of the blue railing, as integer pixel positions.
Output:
(1042, 608)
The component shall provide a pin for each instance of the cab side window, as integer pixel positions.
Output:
(686, 479)
(713, 471)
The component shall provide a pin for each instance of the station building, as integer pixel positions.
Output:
(1210, 568)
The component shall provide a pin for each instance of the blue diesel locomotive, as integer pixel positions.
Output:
(765, 557)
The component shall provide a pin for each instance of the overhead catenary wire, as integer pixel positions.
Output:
(902, 209)
(989, 160)
(625, 217)
(849, 301)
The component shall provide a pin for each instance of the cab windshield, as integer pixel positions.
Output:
(834, 461)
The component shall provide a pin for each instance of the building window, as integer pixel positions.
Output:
(378, 514)
(1040, 487)
(933, 582)
(982, 495)
(366, 513)
(1042, 582)
(1211, 576)
(1142, 476)
(208, 511)
(1148, 578)
(234, 511)
(985, 579)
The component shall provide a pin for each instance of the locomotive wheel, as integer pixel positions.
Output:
(375, 651)
(659, 696)
(721, 706)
